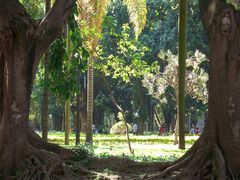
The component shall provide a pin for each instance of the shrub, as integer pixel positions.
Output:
(82, 152)
(120, 128)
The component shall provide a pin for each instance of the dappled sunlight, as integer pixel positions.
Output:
(151, 146)
(152, 150)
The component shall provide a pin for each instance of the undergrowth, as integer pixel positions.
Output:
(83, 152)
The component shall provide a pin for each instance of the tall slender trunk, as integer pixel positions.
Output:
(78, 122)
(139, 104)
(83, 110)
(67, 102)
(90, 82)
(45, 103)
(67, 121)
(176, 128)
(123, 113)
(182, 28)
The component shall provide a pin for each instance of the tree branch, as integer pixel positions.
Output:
(51, 27)
(121, 110)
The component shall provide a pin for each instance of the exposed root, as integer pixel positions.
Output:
(37, 142)
(33, 159)
(39, 170)
(172, 168)
(90, 174)
(203, 161)
(219, 167)
(36, 159)
(191, 151)
(127, 166)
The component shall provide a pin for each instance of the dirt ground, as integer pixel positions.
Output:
(114, 168)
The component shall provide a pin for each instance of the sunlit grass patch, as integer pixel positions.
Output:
(146, 148)
(108, 139)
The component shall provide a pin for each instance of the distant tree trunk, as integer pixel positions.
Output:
(141, 126)
(139, 104)
(151, 115)
(22, 43)
(83, 109)
(67, 121)
(57, 121)
(176, 127)
(182, 28)
(98, 116)
(90, 77)
(45, 103)
(78, 122)
(67, 102)
(157, 118)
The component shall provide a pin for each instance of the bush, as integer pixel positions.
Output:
(82, 152)
(120, 128)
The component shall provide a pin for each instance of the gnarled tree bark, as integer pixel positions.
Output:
(22, 43)
(216, 154)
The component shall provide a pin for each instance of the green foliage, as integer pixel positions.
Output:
(120, 128)
(82, 152)
(127, 62)
(35, 8)
(143, 158)
(160, 33)
(161, 30)
(62, 74)
(63, 66)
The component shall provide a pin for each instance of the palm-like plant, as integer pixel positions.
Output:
(90, 19)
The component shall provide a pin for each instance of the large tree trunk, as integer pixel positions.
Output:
(22, 43)
(45, 104)
(216, 154)
(224, 83)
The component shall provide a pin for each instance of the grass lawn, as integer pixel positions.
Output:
(148, 146)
